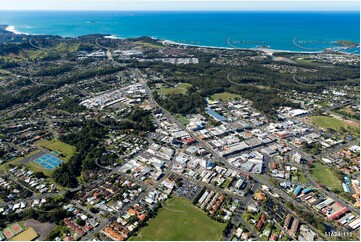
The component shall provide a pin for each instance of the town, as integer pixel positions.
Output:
(127, 139)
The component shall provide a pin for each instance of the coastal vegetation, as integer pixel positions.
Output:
(346, 43)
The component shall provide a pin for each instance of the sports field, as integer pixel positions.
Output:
(224, 96)
(335, 124)
(27, 235)
(325, 176)
(180, 88)
(59, 147)
(179, 219)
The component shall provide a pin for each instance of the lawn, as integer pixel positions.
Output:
(178, 220)
(300, 175)
(333, 123)
(224, 96)
(66, 150)
(325, 176)
(180, 88)
(16, 161)
(183, 119)
(226, 183)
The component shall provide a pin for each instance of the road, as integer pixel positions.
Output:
(108, 50)
(257, 178)
(305, 170)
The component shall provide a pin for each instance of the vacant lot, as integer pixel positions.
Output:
(224, 96)
(180, 220)
(325, 176)
(66, 150)
(180, 88)
(43, 229)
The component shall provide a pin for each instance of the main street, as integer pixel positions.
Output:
(217, 157)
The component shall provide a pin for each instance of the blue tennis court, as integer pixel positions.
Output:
(48, 161)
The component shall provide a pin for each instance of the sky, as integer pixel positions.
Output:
(185, 5)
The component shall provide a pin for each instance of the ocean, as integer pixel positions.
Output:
(291, 31)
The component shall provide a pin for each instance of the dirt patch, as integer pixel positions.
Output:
(352, 123)
(43, 229)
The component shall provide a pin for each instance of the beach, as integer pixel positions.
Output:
(247, 30)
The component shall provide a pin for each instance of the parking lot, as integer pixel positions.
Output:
(188, 190)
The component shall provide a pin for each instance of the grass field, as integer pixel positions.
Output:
(180, 88)
(60, 147)
(303, 61)
(325, 176)
(180, 220)
(150, 45)
(335, 124)
(225, 96)
(181, 118)
(65, 47)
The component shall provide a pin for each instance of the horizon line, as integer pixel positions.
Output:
(185, 10)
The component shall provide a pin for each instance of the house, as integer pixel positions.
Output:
(260, 222)
(259, 196)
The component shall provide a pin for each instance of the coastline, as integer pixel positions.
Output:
(12, 29)
(267, 51)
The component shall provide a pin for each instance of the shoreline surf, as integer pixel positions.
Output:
(267, 51)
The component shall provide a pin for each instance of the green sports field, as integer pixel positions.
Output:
(180, 88)
(325, 176)
(335, 124)
(59, 147)
(179, 219)
(328, 122)
(224, 96)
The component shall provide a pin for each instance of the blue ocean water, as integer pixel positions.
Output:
(294, 31)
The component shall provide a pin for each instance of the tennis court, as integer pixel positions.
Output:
(48, 161)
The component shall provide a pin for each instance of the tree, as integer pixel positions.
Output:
(80, 222)
(39, 174)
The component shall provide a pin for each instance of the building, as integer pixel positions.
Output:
(294, 226)
(288, 221)
(216, 115)
(261, 221)
(306, 190)
(259, 196)
(296, 158)
(306, 234)
(239, 183)
(297, 190)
